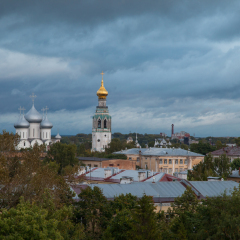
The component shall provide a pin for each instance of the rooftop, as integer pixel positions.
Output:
(160, 152)
(229, 151)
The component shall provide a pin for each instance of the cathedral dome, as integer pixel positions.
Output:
(33, 116)
(58, 136)
(102, 92)
(22, 123)
(46, 123)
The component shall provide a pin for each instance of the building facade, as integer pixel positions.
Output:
(101, 128)
(167, 160)
(33, 128)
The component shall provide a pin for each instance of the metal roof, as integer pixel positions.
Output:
(160, 152)
(214, 188)
(229, 151)
(93, 159)
(162, 189)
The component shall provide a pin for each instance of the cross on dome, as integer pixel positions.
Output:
(46, 108)
(23, 109)
(102, 74)
(20, 109)
(43, 109)
(32, 97)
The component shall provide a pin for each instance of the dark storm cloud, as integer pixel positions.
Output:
(171, 59)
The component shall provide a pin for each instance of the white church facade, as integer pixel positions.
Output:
(34, 128)
(101, 128)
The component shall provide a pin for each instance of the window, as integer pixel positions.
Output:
(95, 165)
(165, 161)
(89, 165)
(111, 165)
(20, 134)
(146, 166)
(181, 161)
(24, 144)
(180, 170)
(130, 158)
(176, 161)
(46, 134)
(185, 162)
(105, 123)
(137, 159)
(99, 123)
(170, 170)
(176, 169)
(118, 164)
(33, 132)
(165, 170)
(170, 161)
(146, 158)
(160, 161)
(23, 134)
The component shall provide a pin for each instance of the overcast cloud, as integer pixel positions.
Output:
(164, 61)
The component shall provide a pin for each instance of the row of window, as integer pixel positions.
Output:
(22, 134)
(170, 171)
(170, 161)
(100, 123)
(133, 159)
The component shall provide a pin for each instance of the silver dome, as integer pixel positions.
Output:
(22, 123)
(46, 123)
(33, 116)
(58, 136)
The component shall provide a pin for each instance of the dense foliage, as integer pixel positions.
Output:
(217, 167)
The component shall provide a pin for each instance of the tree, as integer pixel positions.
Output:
(201, 147)
(93, 210)
(145, 224)
(235, 164)
(237, 141)
(24, 174)
(183, 215)
(222, 166)
(64, 155)
(151, 144)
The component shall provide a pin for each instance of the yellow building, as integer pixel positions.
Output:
(168, 160)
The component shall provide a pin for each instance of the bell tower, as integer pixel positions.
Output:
(101, 129)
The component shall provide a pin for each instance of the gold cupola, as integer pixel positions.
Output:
(102, 92)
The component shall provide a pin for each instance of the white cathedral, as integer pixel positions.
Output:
(101, 129)
(34, 128)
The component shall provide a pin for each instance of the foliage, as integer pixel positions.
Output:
(235, 164)
(63, 155)
(202, 148)
(93, 211)
(24, 174)
(222, 166)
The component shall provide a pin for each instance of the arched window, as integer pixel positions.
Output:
(46, 134)
(105, 123)
(33, 132)
(99, 123)
(23, 134)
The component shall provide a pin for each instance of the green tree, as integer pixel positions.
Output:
(145, 220)
(28, 221)
(151, 144)
(93, 210)
(235, 164)
(237, 141)
(201, 147)
(222, 166)
(64, 155)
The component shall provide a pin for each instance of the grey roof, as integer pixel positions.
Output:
(235, 174)
(160, 152)
(22, 122)
(46, 123)
(214, 188)
(33, 116)
(162, 189)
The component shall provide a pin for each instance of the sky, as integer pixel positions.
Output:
(165, 62)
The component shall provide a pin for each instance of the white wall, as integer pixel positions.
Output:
(34, 127)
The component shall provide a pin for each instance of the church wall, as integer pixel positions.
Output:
(45, 134)
(22, 132)
(34, 128)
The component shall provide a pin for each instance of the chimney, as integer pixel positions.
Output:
(141, 176)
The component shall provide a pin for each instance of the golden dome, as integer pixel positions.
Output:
(102, 92)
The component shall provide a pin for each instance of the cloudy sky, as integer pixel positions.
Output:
(165, 62)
